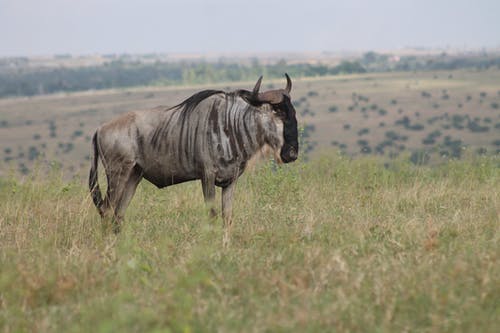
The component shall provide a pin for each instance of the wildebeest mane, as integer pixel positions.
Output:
(191, 102)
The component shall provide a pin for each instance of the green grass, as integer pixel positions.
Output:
(331, 245)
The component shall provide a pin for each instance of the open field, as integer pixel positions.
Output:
(375, 243)
(330, 245)
(445, 113)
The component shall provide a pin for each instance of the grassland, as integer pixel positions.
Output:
(371, 244)
(441, 114)
(335, 245)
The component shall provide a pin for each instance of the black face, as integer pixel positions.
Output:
(286, 111)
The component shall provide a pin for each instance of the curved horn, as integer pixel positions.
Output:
(257, 86)
(288, 84)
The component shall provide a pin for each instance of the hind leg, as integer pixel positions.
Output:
(118, 177)
(134, 178)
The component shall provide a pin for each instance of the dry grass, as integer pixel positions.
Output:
(331, 245)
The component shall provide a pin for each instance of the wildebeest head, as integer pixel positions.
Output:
(282, 107)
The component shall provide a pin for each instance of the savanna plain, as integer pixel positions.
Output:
(359, 235)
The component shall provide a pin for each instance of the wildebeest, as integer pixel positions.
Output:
(210, 136)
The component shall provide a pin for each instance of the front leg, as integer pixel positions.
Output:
(208, 185)
(227, 211)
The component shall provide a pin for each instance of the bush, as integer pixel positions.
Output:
(428, 141)
(416, 127)
(77, 133)
(474, 127)
(419, 157)
(33, 153)
(333, 108)
(363, 131)
(362, 143)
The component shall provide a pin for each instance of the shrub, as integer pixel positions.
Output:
(419, 157)
(362, 142)
(347, 126)
(308, 129)
(52, 129)
(366, 149)
(33, 153)
(481, 151)
(474, 127)
(23, 169)
(363, 131)
(415, 127)
(405, 121)
(77, 133)
(333, 108)
(428, 141)
(392, 135)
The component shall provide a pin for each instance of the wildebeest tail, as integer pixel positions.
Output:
(93, 184)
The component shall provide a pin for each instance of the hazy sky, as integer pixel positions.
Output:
(42, 27)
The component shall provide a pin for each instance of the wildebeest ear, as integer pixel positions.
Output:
(288, 84)
(256, 89)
